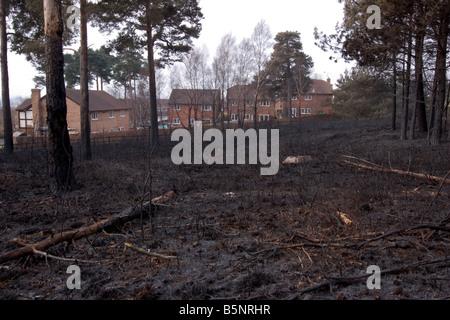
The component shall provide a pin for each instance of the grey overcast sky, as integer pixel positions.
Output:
(238, 17)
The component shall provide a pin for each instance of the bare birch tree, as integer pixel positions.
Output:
(262, 46)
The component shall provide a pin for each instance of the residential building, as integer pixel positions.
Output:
(107, 114)
(241, 104)
(189, 105)
(318, 100)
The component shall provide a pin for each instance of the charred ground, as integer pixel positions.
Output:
(237, 234)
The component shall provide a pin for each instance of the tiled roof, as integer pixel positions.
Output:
(98, 100)
(320, 87)
(24, 105)
(191, 96)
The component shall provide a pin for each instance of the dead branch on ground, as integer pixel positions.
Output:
(351, 279)
(364, 164)
(120, 218)
(438, 227)
(148, 253)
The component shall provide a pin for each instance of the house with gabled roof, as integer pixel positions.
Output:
(317, 101)
(107, 113)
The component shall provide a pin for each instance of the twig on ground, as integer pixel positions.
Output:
(148, 253)
(47, 255)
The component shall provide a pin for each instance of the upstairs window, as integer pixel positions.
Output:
(94, 116)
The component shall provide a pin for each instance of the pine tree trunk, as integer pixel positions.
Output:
(61, 157)
(407, 90)
(394, 101)
(440, 78)
(86, 152)
(154, 139)
(7, 120)
(420, 91)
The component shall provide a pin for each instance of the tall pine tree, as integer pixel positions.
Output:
(61, 161)
(163, 28)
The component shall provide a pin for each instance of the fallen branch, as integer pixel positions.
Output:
(46, 255)
(120, 218)
(374, 167)
(351, 279)
(404, 229)
(148, 253)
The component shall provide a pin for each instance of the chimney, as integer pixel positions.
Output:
(329, 80)
(37, 109)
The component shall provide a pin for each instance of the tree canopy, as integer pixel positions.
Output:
(290, 67)
(164, 29)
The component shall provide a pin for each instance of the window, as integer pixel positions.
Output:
(264, 103)
(248, 117)
(111, 115)
(294, 112)
(121, 129)
(105, 130)
(176, 107)
(122, 114)
(294, 98)
(308, 97)
(176, 121)
(249, 103)
(234, 117)
(192, 121)
(206, 108)
(26, 119)
(94, 116)
(306, 110)
(23, 119)
(206, 121)
(234, 103)
(264, 117)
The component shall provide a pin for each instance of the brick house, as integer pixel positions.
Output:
(107, 113)
(189, 105)
(318, 100)
(241, 102)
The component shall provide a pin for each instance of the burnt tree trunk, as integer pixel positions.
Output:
(86, 152)
(7, 121)
(61, 157)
